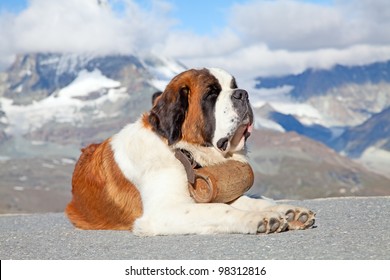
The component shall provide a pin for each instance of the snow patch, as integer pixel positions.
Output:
(305, 113)
(19, 89)
(4, 158)
(67, 63)
(268, 124)
(68, 161)
(63, 107)
(377, 160)
(280, 100)
(87, 82)
(162, 69)
(3, 120)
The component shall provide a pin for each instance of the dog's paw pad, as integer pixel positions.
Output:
(297, 217)
(290, 215)
(262, 227)
(272, 223)
(303, 218)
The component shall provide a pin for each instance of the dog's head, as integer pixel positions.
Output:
(203, 107)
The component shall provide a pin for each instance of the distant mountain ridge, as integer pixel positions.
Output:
(353, 106)
(375, 132)
(36, 76)
(314, 82)
(54, 96)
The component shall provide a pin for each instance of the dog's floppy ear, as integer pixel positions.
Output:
(155, 96)
(168, 113)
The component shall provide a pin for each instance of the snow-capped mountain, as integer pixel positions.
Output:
(342, 106)
(289, 122)
(315, 82)
(374, 132)
(340, 96)
(73, 99)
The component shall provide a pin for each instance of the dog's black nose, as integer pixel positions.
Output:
(240, 94)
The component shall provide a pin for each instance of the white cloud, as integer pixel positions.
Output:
(73, 25)
(258, 60)
(282, 37)
(287, 24)
(297, 25)
(184, 45)
(83, 26)
(261, 37)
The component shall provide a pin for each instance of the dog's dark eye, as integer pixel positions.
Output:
(213, 92)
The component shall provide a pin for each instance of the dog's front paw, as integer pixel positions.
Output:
(271, 222)
(297, 217)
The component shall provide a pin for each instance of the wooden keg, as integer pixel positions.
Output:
(221, 183)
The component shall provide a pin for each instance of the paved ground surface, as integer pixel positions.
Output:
(346, 228)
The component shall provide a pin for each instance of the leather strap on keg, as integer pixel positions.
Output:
(188, 162)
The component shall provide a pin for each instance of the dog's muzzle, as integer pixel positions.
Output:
(244, 127)
(241, 103)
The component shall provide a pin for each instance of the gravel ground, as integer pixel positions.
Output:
(346, 228)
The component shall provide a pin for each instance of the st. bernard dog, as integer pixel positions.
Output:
(133, 181)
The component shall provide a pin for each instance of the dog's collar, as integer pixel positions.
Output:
(189, 163)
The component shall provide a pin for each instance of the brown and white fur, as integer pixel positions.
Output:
(133, 181)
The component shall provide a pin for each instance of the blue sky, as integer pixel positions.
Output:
(247, 38)
(13, 5)
(202, 16)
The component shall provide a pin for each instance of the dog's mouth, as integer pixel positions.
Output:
(241, 134)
